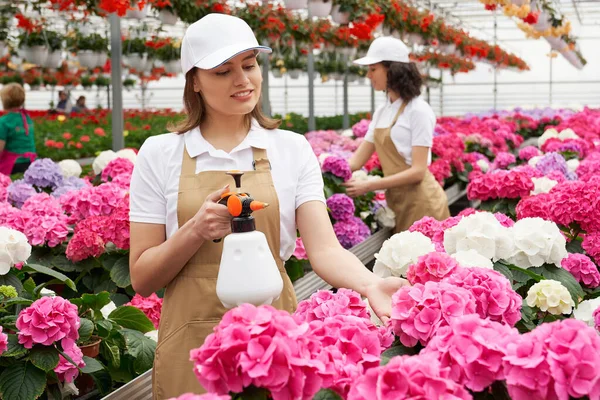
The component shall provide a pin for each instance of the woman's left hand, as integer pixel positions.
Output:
(356, 188)
(380, 294)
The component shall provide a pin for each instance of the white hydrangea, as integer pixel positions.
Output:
(567, 134)
(14, 249)
(542, 185)
(385, 217)
(102, 161)
(548, 134)
(152, 335)
(537, 242)
(400, 251)
(360, 176)
(471, 258)
(480, 232)
(70, 168)
(484, 165)
(572, 164)
(128, 154)
(550, 295)
(348, 133)
(534, 160)
(585, 310)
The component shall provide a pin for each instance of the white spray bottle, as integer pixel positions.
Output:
(248, 272)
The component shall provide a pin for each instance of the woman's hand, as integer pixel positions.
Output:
(380, 294)
(213, 220)
(356, 188)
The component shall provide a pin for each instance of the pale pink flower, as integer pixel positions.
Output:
(324, 303)
(151, 306)
(582, 268)
(3, 341)
(65, 370)
(433, 266)
(300, 251)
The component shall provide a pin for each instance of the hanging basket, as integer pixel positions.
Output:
(294, 73)
(137, 13)
(53, 60)
(87, 58)
(320, 8)
(3, 47)
(352, 78)
(338, 16)
(347, 51)
(296, 4)
(172, 67)
(35, 55)
(415, 38)
(167, 17)
(362, 80)
(135, 61)
(276, 73)
(101, 59)
(448, 48)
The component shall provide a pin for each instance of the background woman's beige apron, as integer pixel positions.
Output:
(410, 202)
(191, 308)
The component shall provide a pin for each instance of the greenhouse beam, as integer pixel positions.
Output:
(118, 141)
(266, 100)
(311, 85)
(346, 121)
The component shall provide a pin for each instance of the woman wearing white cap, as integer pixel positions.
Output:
(180, 176)
(402, 134)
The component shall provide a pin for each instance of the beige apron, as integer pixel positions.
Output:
(410, 202)
(191, 308)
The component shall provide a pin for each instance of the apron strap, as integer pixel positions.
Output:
(400, 111)
(188, 167)
(261, 162)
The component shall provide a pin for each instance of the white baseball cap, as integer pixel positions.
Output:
(215, 39)
(385, 48)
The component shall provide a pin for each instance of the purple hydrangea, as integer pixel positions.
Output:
(351, 232)
(19, 191)
(338, 167)
(341, 206)
(552, 162)
(504, 159)
(44, 173)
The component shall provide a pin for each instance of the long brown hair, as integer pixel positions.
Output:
(195, 110)
(404, 79)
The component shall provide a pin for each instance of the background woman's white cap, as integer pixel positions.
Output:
(385, 48)
(214, 39)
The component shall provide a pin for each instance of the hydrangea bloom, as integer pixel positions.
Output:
(494, 297)
(433, 266)
(360, 128)
(552, 162)
(151, 306)
(84, 244)
(550, 295)
(583, 269)
(300, 251)
(3, 341)
(117, 167)
(324, 304)
(65, 370)
(43, 173)
(48, 320)
(338, 167)
(341, 206)
(528, 152)
(351, 232)
(500, 184)
(206, 396)
(504, 159)
(19, 191)
(400, 251)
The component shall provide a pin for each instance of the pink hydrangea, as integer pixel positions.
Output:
(504, 220)
(576, 202)
(122, 180)
(360, 128)
(428, 226)
(528, 152)
(338, 167)
(116, 167)
(441, 169)
(5, 181)
(151, 306)
(65, 370)
(500, 184)
(300, 251)
(534, 206)
(3, 341)
(419, 311)
(433, 266)
(406, 377)
(472, 348)
(92, 201)
(48, 320)
(43, 204)
(41, 230)
(266, 348)
(504, 159)
(117, 225)
(206, 396)
(591, 245)
(324, 304)
(84, 244)
(582, 268)
(494, 297)
(596, 316)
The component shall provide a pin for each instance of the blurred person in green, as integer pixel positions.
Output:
(17, 143)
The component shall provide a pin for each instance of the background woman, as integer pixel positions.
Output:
(17, 143)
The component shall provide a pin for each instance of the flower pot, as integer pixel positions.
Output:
(338, 16)
(352, 78)
(362, 81)
(172, 67)
(347, 51)
(556, 43)
(3, 47)
(167, 17)
(415, 38)
(87, 58)
(294, 73)
(296, 4)
(136, 13)
(387, 31)
(276, 73)
(135, 61)
(320, 8)
(448, 48)
(101, 59)
(53, 60)
(35, 55)
(93, 349)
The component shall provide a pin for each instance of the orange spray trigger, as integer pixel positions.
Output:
(234, 205)
(258, 205)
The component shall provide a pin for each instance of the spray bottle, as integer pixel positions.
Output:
(248, 272)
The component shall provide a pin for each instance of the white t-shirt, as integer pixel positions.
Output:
(155, 181)
(414, 126)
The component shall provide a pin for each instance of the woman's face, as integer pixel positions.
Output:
(378, 76)
(232, 88)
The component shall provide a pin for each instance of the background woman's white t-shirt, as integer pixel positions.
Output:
(155, 181)
(414, 126)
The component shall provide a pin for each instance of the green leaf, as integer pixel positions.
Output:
(119, 299)
(54, 390)
(10, 279)
(94, 302)
(398, 350)
(22, 381)
(14, 349)
(29, 286)
(109, 260)
(529, 272)
(503, 269)
(103, 381)
(140, 347)
(563, 276)
(91, 365)
(111, 353)
(45, 358)
(86, 328)
(574, 246)
(106, 286)
(55, 274)
(253, 393)
(327, 394)
(104, 328)
(62, 263)
(17, 300)
(131, 318)
(120, 272)
(124, 373)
